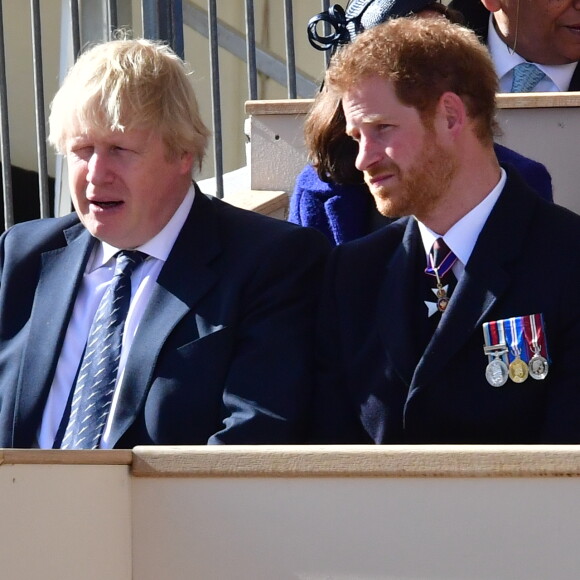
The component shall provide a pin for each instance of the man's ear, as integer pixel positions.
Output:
(452, 112)
(186, 162)
(492, 5)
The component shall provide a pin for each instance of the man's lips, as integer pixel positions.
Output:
(106, 204)
(378, 179)
(573, 28)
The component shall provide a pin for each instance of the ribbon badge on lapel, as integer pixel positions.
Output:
(516, 348)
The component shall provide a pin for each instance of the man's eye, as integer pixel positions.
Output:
(83, 152)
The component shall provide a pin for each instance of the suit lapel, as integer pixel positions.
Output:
(398, 305)
(60, 274)
(184, 279)
(487, 275)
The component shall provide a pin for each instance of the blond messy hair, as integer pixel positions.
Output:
(125, 84)
(423, 58)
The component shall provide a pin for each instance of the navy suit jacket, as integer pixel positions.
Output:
(222, 354)
(377, 384)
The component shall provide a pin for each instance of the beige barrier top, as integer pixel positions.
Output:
(504, 101)
(321, 461)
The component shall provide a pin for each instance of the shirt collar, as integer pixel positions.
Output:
(505, 60)
(159, 246)
(462, 236)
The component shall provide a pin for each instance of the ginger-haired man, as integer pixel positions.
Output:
(433, 328)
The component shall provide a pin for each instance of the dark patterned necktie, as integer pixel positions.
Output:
(526, 77)
(440, 275)
(97, 376)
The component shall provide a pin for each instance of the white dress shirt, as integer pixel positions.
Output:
(462, 236)
(98, 274)
(558, 76)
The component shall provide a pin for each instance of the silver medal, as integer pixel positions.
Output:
(496, 373)
(538, 367)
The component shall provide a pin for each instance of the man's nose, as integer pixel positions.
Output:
(369, 153)
(98, 168)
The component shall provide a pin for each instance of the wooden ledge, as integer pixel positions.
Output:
(504, 101)
(264, 202)
(321, 461)
(537, 100)
(278, 107)
(358, 461)
(65, 457)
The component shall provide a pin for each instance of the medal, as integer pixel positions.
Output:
(518, 369)
(442, 298)
(496, 372)
(516, 348)
(441, 293)
(439, 272)
(538, 365)
(495, 348)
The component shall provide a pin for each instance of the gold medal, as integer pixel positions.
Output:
(518, 370)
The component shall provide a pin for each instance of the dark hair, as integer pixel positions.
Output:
(330, 150)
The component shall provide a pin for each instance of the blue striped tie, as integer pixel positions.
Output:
(526, 77)
(97, 376)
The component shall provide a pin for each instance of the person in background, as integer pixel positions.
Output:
(329, 193)
(152, 314)
(537, 41)
(459, 323)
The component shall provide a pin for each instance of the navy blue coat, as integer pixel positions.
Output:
(377, 384)
(223, 353)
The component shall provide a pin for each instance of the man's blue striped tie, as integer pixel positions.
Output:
(97, 376)
(526, 77)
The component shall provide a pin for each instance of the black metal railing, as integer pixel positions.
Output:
(163, 19)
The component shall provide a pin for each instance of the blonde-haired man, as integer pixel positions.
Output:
(153, 314)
